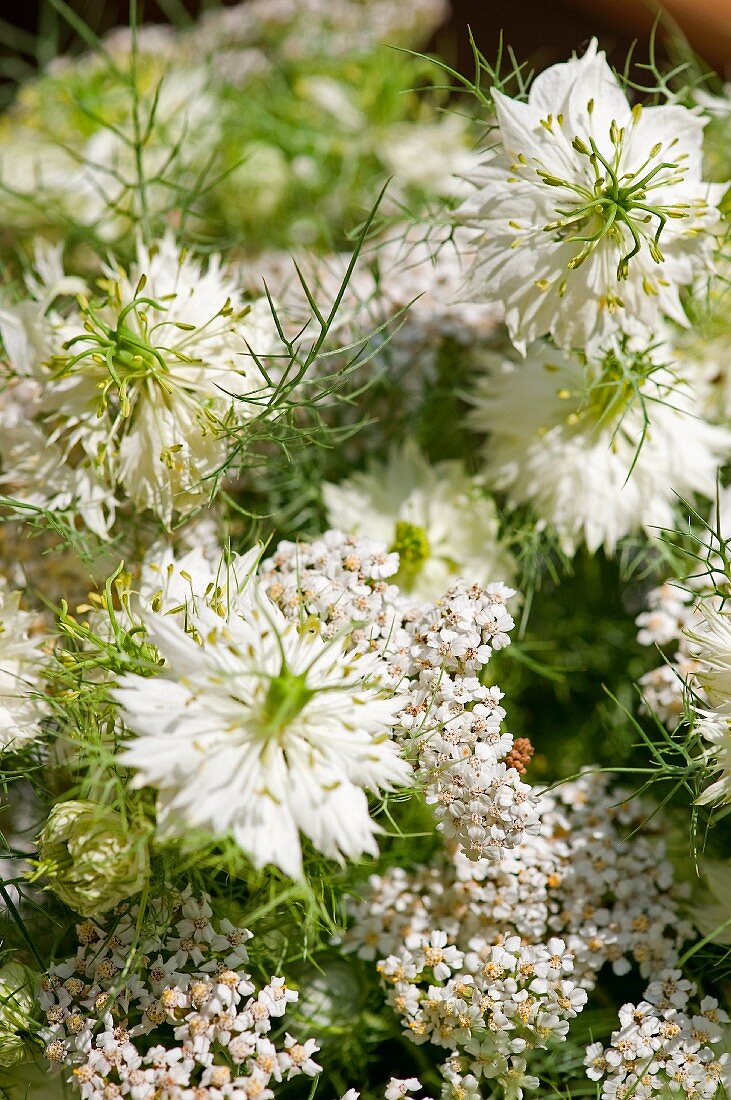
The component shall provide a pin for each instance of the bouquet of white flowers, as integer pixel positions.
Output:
(364, 554)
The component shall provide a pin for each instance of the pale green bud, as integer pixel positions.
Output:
(17, 1003)
(91, 857)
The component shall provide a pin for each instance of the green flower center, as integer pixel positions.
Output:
(129, 355)
(615, 385)
(287, 696)
(615, 200)
(412, 546)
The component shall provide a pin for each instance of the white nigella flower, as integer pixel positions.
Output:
(147, 382)
(593, 214)
(717, 106)
(565, 436)
(259, 730)
(436, 517)
(712, 652)
(21, 662)
(33, 467)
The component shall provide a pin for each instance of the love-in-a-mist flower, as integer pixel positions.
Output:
(711, 647)
(599, 448)
(712, 643)
(715, 728)
(592, 214)
(437, 518)
(259, 729)
(149, 380)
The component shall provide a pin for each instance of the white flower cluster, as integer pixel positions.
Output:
(671, 613)
(544, 920)
(464, 755)
(342, 582)
(189, 993)
(521, 997)
(434, 656)
(610, 898)
(664, 1046)
(694, 677)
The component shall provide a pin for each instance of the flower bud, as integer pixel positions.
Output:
(91, 858)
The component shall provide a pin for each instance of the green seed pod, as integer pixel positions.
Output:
(91, 857)
(17, 1001)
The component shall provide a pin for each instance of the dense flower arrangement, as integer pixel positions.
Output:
(365, 656)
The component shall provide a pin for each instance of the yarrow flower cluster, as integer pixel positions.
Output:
(671, 616)
(464, 755)
(664, 1045)
(342, 583)
(521, 998)
(494, 959)
(609, 899)
(691, 686)
(188, 1021)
